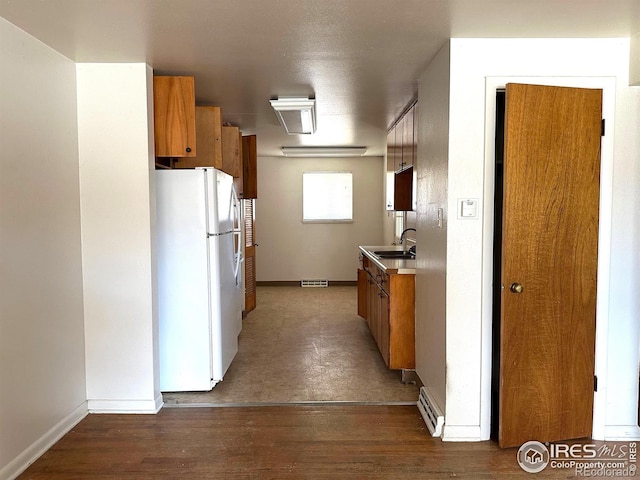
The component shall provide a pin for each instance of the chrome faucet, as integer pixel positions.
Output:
(402, 234)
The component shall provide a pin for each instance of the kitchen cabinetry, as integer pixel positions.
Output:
(401, 156)
(391, 168)
(387, 302)
(232, 151)
(174, 112)
(362, 292)
(407, 159)
(209, 135)
(249, 167)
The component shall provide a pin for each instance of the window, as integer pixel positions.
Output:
(327, 197)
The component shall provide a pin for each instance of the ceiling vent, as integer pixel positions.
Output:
(296, 114)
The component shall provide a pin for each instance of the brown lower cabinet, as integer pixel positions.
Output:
(387, 302)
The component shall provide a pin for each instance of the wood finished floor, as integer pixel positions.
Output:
(293, 359)
(304, 345)
(286, 442)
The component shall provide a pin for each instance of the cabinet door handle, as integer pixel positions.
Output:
(188, 149)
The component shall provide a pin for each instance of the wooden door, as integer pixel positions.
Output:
(249, 256)
(549, 263)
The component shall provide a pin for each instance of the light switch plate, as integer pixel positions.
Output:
(468, 208)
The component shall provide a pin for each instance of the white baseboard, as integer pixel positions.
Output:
(126, 406)
(44, 443)
(621, 433)
(462, 433)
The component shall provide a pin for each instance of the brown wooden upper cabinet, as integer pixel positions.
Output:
(391, 167)
(238, 181)
(414, 140)
(249, 167)
(407, 140)
(401, 158)
(232, 151)
(174, 108)
(209, 134)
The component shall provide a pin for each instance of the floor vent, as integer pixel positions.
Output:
(314, 283)
(430, 413)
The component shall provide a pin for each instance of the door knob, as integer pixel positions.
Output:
(516, 288)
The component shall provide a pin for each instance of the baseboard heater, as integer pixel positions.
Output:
(431, 414)
(314, 283)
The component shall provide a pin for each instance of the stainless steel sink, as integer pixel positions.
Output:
(400, 254)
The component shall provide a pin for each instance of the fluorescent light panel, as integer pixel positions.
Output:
(297, 115)
(323, 151)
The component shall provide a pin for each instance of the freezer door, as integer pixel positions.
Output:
(219, 193)
(225, 214)
(183, 281)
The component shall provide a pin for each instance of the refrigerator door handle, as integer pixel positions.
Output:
(209, 235)
(237, 257)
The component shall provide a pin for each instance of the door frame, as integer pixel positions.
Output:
(607, 84)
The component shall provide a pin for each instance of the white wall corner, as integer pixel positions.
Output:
(126, 406)
(634, 60)
(44, 443)
(621, 433)
(117, 195)
(154, 235)
(462, 433)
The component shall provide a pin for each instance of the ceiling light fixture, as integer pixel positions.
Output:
(323, 151)
(296, 114)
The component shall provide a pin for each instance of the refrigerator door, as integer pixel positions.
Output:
(183, 281)
(226, 314)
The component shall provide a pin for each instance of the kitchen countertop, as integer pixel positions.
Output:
(389, 265)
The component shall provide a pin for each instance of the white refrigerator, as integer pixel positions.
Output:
(199, 277)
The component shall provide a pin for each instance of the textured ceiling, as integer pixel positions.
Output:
(360, 58)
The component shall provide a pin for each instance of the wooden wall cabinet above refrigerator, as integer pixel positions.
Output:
(209, 135)
(232, 151)
(174, 111)
(239, 159)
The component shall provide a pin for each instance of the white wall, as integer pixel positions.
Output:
(468, 346)
(290, 250)
(433, 151)
(117, 199)
(634, 60)
(42, 376)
